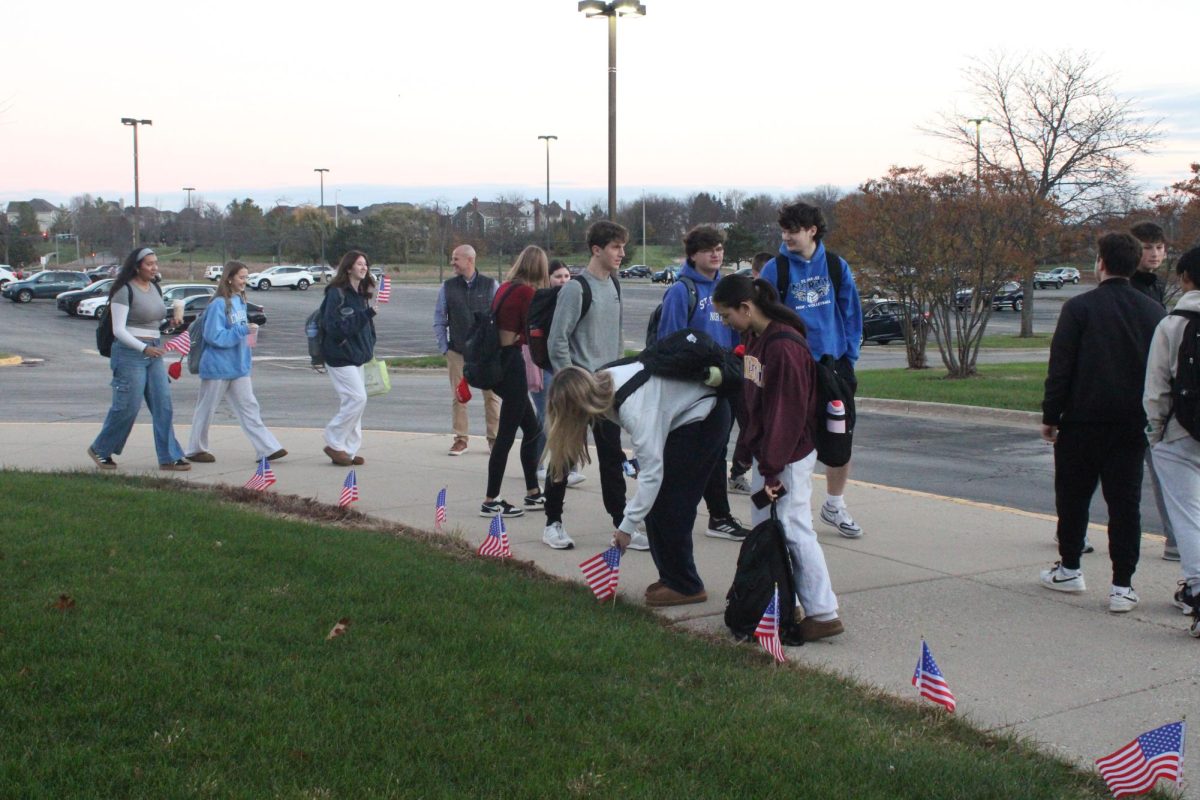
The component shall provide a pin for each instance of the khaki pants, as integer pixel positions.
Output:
(491, 402)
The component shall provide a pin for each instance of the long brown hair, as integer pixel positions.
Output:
(225, 286)
(341, 280)
(574, 399)
(531, 267)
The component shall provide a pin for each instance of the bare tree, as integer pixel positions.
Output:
(1056, 124)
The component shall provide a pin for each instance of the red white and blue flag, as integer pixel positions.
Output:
(385, 289)
(349, 490)
(767, 632)
(929, 681)
(496, 543)
(263, 477)
(1136, 767)
(439, 513)
(181, 344)
(601, 573)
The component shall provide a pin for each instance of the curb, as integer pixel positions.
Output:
(916, 408)
(11, 361)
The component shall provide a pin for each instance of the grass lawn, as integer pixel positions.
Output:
(1012, 341)
(1017, 386)
(162, 642)
(417, 362)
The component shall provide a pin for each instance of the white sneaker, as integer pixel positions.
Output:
(1054, 578)
(639, 541)
(739, 484)
(840, 518)
(555, 536)
(575, 478)
(1119, 603)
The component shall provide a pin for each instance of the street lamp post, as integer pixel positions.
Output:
(546, 213)
(321, 171)
(978, 121)
(192, 228)
(137, 203)
(612, 10)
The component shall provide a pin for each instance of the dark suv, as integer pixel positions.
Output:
(884, 322)
(46, 284)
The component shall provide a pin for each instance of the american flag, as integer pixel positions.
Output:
(1136, 767)
(496, 543)
(929, 681)
(385, 289)
(439, 513)
(349, 490)
(601, 572)
(181, 344)
(263, 477)
(767, 631)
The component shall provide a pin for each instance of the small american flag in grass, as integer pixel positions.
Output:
(439, 513)
(1136, 767)
(929, 681)
(767, 632)
(385, 289)
(181, 344)
(263, 477)
(496, 543)
(601, 572)
(349, 490)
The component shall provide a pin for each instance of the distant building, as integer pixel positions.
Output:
(43, 209)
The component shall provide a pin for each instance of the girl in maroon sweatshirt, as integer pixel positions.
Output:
(781, 400)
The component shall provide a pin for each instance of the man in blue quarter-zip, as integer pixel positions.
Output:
(820, 288)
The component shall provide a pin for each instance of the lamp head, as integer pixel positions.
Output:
(592, 8)
(629, 8)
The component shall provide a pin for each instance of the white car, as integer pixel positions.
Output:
(213, 273)
(293, 276)
(98, 306)
(6, 275)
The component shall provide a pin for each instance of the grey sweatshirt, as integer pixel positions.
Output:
(596, 339)
(1160, 366)
(648, 415)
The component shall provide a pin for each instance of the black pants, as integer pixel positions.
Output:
(688, 459)
(1110, 455)
(716, 490)
(609, 454)
(516, 411)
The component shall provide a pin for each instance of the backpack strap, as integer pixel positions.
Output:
(833, 266)
(587, 295)
(1189, 315)
(635, 382)
(789, 334)
(693, 296)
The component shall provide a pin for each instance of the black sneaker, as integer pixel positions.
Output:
(535, 502)
(500, 507)
(726, 528)
(102, 463)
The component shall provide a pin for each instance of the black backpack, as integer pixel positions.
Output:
(833, 449)
(541, 316)
(656, 315)
(763, 563)
(481, 353)
(314, 332)
(1185, 383)
(685, 355)
(104, 330)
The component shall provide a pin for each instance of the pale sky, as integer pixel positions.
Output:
(445, 99)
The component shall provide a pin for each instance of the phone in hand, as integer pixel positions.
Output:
(761, 499)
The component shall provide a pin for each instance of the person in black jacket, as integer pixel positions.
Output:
(349, 342)
(1092, 413)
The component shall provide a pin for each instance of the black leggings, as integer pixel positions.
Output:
(516, 411)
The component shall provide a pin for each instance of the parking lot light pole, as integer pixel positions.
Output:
(612, 10)
(321, 171)
(978, 121)
(137, 204)
(546, 213)
(192, 227)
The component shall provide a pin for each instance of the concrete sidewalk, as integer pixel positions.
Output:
(1058, 669)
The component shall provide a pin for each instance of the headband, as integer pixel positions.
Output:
(145, 251)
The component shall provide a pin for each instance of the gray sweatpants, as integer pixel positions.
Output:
(240, 395)
(1178, 465)
(1168, 529)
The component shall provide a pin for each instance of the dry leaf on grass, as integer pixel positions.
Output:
(339, 629)
(64, 603)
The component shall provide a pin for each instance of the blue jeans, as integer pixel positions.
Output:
(136, 376)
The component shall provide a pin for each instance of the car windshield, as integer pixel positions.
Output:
(1011, 286)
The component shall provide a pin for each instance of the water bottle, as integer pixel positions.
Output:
(835, 417)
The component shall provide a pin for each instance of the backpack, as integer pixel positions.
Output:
(104, 329)
(198, 343)
(656, 315)
(314, 330)
(684, 355)
(541, 315)
(833, 448)
(763, 563)
(783, 274)
(1185, 383)
(481, 353)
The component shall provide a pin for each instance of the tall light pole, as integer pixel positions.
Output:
(978, 121)
(189, 190)
(612, 10)
(321, 171)
(546, 213)
(137, 200)
(191, 227)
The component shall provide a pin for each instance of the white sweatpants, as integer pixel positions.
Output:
(240, 395)
(344, 431)
(1178, 466)
(794, 510)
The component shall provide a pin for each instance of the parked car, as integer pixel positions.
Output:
(320, 273)
(1066, 273)
(1047, 280)
(636, 271)
(292, 276)
(98, 306)
(668, 275)
(194, 306)
(7, 275)
(106, 271)
(213, 272)
(1009, 294)
(45, 284)
(69, 301)
(884, 322)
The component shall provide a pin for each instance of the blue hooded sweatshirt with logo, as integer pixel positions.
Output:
(704, 318)
(834, 324)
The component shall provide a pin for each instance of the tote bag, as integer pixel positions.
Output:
(376, 378)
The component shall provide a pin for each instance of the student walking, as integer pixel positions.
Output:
(349, 321)
(136, 307)
(510, 309)
(225, 370)
(781, 410)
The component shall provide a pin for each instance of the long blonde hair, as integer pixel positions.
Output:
(531, 267)
(575, 398)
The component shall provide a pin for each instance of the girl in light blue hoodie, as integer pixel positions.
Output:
(225, 369)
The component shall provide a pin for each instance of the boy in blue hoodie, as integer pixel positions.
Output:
(834, 322)
(688, 304)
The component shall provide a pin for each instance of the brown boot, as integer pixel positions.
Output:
(339, 457)
(812, 630)
(657, 596)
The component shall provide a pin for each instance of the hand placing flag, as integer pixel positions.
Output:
(601, 572)
(1136, 767)
(385, 289)
(263, 477)
(496, 543)
(181, 344)
(767, 632)
(929, 681)
(439, 512)
(349, 490)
